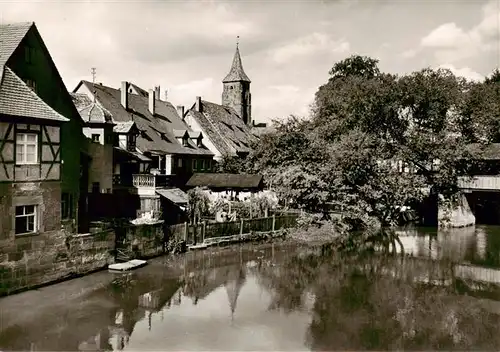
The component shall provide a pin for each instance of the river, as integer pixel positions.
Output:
(275, 298)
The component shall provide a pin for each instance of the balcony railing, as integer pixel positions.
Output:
(152, 181)
(480, 182)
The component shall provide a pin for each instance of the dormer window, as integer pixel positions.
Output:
(185, 141)
(131, 141)
(199, 142)
(31, 84)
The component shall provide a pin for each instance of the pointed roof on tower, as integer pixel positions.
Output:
(236, 74)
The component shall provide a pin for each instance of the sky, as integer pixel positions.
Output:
(287, 47)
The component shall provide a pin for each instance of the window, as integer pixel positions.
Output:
(25, 219)
(179, 162)
(95, 137)
(131, 141)
(194, 164)
(26, 148)
(185, 142)
(28, 54)
(32, 84)
(66, 206)
(122, 141)
(202, 164)
(95, 187)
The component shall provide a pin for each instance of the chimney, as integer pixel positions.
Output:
(152, 101)
(157, 93)
(124, 92)
(180, 111)
(198, 104)
(166, 95)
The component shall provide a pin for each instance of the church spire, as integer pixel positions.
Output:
(236, 74)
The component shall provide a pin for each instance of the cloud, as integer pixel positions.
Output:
(408, 54)
(465, 72)
(313, 44)
(453, 43)
(185, 93)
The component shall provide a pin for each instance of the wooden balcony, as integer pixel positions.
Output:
(146, 184)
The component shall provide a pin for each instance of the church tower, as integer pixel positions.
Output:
(236, 90)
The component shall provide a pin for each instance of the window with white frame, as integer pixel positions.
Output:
(26, 148)
(179, 162)
(122, 141)
(26, 219)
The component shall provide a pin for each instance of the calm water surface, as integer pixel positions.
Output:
(275, 298)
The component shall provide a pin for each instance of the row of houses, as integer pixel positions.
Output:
(62, 153)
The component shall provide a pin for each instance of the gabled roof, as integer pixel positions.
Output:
(224, 127)
(211, 180)
(124, 127)
(17, 99)
(195, 135)
(139, 90)
(156, 131)
(180, 133)
(236, 74)
(11, 36)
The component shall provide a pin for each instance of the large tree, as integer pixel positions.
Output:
(366, 129)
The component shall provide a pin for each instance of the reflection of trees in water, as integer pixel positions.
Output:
(358, 306)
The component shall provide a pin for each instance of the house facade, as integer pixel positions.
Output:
(153, 148)
(40, 140)
(228, 127)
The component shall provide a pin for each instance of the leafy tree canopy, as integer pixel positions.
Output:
(366, 128)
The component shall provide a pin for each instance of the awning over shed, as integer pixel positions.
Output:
(226, 181)
(121, 154)
(175, 195)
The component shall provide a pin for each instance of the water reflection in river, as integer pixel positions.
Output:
(271, 298)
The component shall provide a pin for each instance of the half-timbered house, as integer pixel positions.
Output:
(41, 138)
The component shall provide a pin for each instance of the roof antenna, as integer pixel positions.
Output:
(237, 41)
(93, 71)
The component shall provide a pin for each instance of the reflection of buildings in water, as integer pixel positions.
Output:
(434, 248)
(481, 242)
(236, 280)
(119, 338)
(92, 344)
(119, 317)
(150, 299)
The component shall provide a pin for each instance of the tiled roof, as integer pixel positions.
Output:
(123, 127)
(225, 180)
(224, 127)
(139, 90)
(175, 195)
(156, 131)
(90, 111)
(236, 73)
(17, 99)
(11, 36)
(95, 113)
